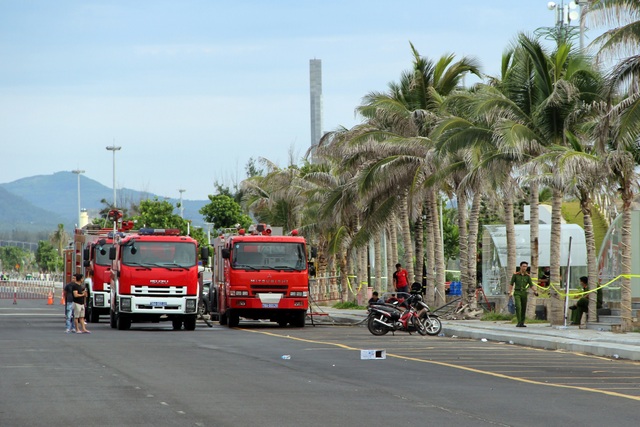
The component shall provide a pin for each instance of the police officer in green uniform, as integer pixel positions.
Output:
(520, 284)
(582, 305)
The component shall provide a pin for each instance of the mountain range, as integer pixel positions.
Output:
(40, 203)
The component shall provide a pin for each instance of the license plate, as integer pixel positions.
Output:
(269, 305)
(158, 303)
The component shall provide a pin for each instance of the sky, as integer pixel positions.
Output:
(192, 89)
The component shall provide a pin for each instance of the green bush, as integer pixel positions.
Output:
(493, 316)
(350, 305)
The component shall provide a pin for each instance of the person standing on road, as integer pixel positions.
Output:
(68, 307)
(520, 284)
(400, 279)
(79, 295)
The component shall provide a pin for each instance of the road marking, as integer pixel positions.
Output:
(449, 365)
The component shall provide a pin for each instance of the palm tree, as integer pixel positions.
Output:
(403, 118)
(59, 239)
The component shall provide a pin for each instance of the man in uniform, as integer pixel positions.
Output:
(520, 284)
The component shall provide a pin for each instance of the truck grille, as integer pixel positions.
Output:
(166, 291)
(268, 288)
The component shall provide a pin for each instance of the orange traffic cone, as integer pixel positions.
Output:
(50, 298)
(62, 298)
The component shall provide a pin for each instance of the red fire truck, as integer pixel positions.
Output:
(259, 275)
(155, 277)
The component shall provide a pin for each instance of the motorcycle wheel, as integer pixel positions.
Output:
(419, 325)
(377, 328)
(432, 324)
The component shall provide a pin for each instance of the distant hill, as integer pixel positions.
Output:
(46, 200)
(17, 213)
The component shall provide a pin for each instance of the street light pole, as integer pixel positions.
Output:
(181, 206)
(114, 149)
(78, 172)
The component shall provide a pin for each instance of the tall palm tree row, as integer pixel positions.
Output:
(550, 122)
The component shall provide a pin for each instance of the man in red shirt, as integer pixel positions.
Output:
(400, 279)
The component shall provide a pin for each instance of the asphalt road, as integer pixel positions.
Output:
(153, 376)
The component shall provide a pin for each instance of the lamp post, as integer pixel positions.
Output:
(78, 172)
(209, 227)
(181, 206)
(114, 149)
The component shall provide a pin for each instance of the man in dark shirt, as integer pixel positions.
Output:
(79, 295)
(68, 307)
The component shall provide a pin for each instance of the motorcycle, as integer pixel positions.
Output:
(410, 315)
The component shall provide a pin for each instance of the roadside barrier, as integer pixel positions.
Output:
(27, 289)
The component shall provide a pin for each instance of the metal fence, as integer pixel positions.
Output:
(28, 289)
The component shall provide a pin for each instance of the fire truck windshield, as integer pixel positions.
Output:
(269, 256)
(160, 254)
(102, 255)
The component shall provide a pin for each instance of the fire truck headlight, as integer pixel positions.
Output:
(191, 306)
(99, 299)
(298, 294)
(239, 293)
(125, 304)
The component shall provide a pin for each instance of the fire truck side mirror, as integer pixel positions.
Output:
(112, 253)
(86, 263)
(204, 254)
(314, 252)
(312, 269)
(86, 254)
(225, 253)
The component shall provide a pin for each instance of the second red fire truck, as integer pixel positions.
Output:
(259, 275)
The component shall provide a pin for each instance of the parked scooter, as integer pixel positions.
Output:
(410, 315)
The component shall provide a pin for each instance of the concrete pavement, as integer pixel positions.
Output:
(538, 335)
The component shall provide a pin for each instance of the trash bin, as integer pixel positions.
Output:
(541, 312)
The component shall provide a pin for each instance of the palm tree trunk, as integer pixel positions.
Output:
(625, 291)
(511, 234)
(438, 252)
(344, 273)
(534, 233)
(392, 259)
(406, 236)
(463, 236)
(377, 259)
(362, 281)
(430, 251)
(419, 232)
(592, 267)
(557, 302)
(472, 248)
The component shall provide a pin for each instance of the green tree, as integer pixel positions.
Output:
(47, 257)
(224, 212)
(159, 214)
(12, 256)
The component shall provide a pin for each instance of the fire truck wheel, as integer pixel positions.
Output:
(177, 324)
(190, 323)
(94, 317)
(233, 318)
(202, 309)
(112, 320)
(124, 322)
(299, 319)
(223, 319)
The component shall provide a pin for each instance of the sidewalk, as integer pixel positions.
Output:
(538, 335)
